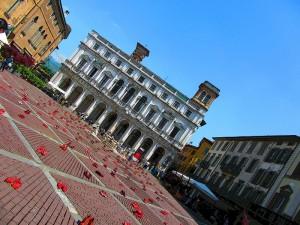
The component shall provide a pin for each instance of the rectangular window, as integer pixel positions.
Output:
(152, 87)
(188, 113)
(141, 79)
(162, 123)
(215, 161)
(130, 71)
(174, 132)
(242, 146)
(176, 104)
(118, 63)
(252, 165)
(251, 148)
(96, 46)
(296, 172)
(235, 143)
(107, 54)
(225, 146)
(164, 96)
(262, 148)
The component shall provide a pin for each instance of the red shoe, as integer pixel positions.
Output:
(89, 220)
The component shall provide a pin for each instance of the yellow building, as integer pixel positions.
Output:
(38, 26)
(191, 155)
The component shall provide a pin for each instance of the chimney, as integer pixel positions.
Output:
(140, 53)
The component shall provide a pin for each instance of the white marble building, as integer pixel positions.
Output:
(128, 100)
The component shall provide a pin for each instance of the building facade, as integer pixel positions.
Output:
(37, 26)
(121, 96)
(251, 170)
(286, 200)
(191, 156)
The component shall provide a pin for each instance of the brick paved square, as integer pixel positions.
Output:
(38, 201)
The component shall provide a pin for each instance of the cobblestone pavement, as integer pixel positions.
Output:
(53, 171)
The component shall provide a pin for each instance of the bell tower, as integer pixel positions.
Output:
(206, 94)
(140, 52)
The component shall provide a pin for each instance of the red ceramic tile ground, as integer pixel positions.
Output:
(37, 201)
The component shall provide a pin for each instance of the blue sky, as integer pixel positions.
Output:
(249, 49)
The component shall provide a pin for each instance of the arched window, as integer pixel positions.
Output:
(128, 95)
(202, 95)
(206, 99)
(103, 81)
(150, 115)
(92, 72)
(140, 104)
(117, 86)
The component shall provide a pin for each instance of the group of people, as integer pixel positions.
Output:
(7, 63)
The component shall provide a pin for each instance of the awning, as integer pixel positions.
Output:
(203, 188)
(3, 38)
(198, 185)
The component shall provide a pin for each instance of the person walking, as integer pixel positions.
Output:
(6, 63)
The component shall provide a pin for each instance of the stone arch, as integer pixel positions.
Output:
(140, 104)
(116, 87)
(108, 121)
(65, 84)
(75, 95)
(97, 112)
(120, 130)
(128, 95)
(146, 145)
(132, 138)
(105, 77)
(85, 104)
(157, 156)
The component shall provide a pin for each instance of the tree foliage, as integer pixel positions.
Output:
(31, 76)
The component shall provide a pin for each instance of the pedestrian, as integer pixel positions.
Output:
(7, 62)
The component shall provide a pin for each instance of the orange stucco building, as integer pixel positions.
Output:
(191, 155)
(38, 26)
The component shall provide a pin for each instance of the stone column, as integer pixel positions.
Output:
(145, 109)
(169, 127)
(139, 142)
(76, 56)
(158, 117)
(126, 134)
(103, 116)
(133, 99)
(115, 125)
(121, 92)
(97, 78)
(70, 89)
(151, 152)
(111, 83)
(55, 80)
(92, 107)
(186, 137)
(79, 100)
